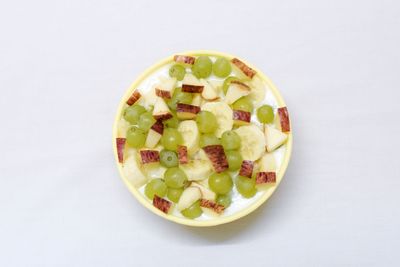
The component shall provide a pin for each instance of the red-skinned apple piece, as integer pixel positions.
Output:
(249, 72)
(184, 59)
(161, 204)
(241, 116)
(246, 169)
(265, 177)
(284, 119)
(120, 142)
(189, 88)
(149, 156)
(186, 111)
(212, 205)
(133, 98)
(182, 155)
(216, 155)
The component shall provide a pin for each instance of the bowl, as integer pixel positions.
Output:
(220, 219)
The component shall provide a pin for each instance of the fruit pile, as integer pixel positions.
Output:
(199, 134)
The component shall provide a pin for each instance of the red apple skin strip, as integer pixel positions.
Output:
(246, 169)
(217, 157)
(158, 127)
(241, 115)
(182, 154)
(241, 84)
(163, 93)
(133, 98)
(184, 59)
(120, 149)
(161, 204)
(212, 205)
(163, 117)
(180, 107)
(284, 119)
(188, 88)
(266, 178)
(249, 72)
(149, 156)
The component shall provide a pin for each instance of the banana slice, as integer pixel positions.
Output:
(133, 173)
(197, 169)
(258, 89)
(252, 142)
(223, 113)
(190, 135)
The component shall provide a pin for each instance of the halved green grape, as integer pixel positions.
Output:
(246, 186)
(208, 140)
(175, 177)
(265, 114)
(227, 82)
(178, 71)
(206, 122)
(193, 211)
(174, 194)
(230, 140)
(132, 113)
(168, 158)
(135, 137)
(243, 103)
(172, 122)
(222, 67)
(234, 159)
(220, 183)
(171, 139)
(202, 67)
(146, 121)
(155, 187)
(224, 200)
(179, 97)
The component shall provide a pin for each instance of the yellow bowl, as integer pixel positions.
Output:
(217, 220)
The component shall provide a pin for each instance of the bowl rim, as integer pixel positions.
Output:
(218, 220)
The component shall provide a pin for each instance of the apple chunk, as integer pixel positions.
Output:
(120, 142)
(133, 98)
(161, 204)
(186, 111)
(154, 135)
(182, 155)
(246, 169)
(190, 195)
(161, 110)
(216, 155)
(265, 177)
(149, 156)
(274, 138)
(205, 203)
(184, 59)
(209, 92)
(189, 88)
(283, 115)
(241, 117)
(166, 88)
(235, 91)
(246, 70)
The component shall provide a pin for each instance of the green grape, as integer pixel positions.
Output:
(168, 158)
(193, 211)
(234, 160)
(246, 186)
(146, 121)
(206, 122)
(135, 137)
(175, 177)
(243, 103)
(174, 194)
(222, 67)
(178, 71)
(265, 114)
(220, 183)
(171, 139)
(224, 200)
(179, 97)
(155, 187)
(172, 122)
(230, 140)
(202, 67)
(208, 140)
(227, 82)
(132, 113)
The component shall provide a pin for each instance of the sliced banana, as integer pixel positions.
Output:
(223, 114)
(197, 169)
(258, 89)
(133, 173)
(190, 135)
(252, 142)
(188, 197)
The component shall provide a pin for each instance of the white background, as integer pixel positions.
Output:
(64, 66)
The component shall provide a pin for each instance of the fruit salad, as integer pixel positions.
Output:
(202, 136)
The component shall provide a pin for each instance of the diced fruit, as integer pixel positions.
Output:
(202, 67)
(246, 186)
(197, 169)
(223, 114)
(244, 104)
(222, 67)
(220, 183)
(161, 204)
(258, 89)
(135, 137)
(265, 177)
(212, 205)
(241, 117)
(186, 112)
(182, 154)
(252, 142)
(155, 187)
(227, 83)
(172, 122)
(190, 79)
(246, 70)
(205, 192)
(154, 134)
(166, 88)
(197, 100)
(132, 113)
(268, 163)
(284, 119)
(153, 170)
(230, 140)
(188, 88)
(133, 98)
(174, 194)
(150, 97)
(171, 139)
(168, 158)
(206, 122)
(224, 200)
(274, 138)
(133, 172)
(146, 120)
(208, 93)
(149, 156)
(246, 169)
(189, 196)
(120, 143)
(123, 127)
(208, 140)
(184, 59)
(161, 110)
(190, 134)
(217, 157)
(234, 160)
(179, 97)
(193, 211)
(175, 177)
(235, 91)
(177, 71)
(265, 114)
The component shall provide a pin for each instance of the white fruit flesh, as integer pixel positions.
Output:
(236, 91)
(190, 135)
(252, 142)
(197, 169)
(167, 86)
(191, 79)
(152, 138)
(209, 92)
(267, 163)
(188, 197)
(206, 193)
(258, 89)
(123, 127)
(133, 173)
(274, 138)
(160, 108)
(223, 114)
